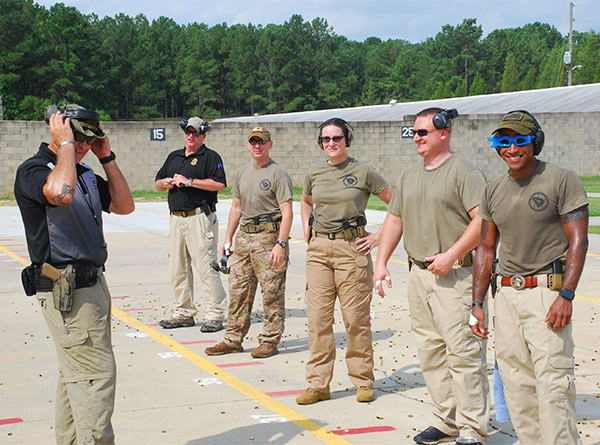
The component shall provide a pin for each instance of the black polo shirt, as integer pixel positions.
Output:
(61, 235)
(204, 164)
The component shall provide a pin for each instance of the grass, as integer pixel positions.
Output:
(594, 229)
(591, 183)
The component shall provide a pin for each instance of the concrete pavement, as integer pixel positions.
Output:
(170, 392)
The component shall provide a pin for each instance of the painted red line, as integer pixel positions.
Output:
(153, 324)
(119, 298)
(233, 365)
(196, 342)
(371, 429)
(285, 393)
(6, 239)
(8, 421)
(13, 245)
(139, 309)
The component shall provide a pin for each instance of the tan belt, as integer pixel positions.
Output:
(463, 261)
(269, 227)
(185, 213)
(347, 234)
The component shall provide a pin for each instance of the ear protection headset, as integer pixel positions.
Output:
(204, 126)
(338, 122)
(538, 133)
(444, 119)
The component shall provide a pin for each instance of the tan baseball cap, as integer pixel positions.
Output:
(260, 133)
(194, 122)
(88, 127)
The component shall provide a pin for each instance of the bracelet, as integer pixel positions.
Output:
(111, 157)
(66, 143)
(477, 303)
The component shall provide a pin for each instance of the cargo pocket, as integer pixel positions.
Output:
(361, 273)
(74, 338)
(563, 368)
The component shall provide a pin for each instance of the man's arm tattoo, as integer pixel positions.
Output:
(485, 226)
(575, 215)
(65, 190)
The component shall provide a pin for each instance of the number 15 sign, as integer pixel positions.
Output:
(158, 134)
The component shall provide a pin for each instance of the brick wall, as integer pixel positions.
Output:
(571, 140)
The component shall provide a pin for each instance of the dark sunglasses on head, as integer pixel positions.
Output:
(257, 141)
(327, 139)
(507, 141)
(80, 137)
(192, 132)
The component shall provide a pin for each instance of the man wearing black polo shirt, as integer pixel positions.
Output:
(193, 175)
(61, 202)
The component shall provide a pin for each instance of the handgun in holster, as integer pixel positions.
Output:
(206, 208)
(64, 285)
(494, 281)
(555, 279)
(311, 220)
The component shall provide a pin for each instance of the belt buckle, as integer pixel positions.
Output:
(517, 282)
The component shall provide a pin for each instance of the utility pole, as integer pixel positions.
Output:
(570, 74)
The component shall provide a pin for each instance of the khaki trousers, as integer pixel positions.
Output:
(335, 268)
(250, 266)
(85, 396)
(193, 247)
(453, 360)
(537, 367)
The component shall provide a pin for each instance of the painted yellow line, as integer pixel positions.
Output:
(14, 256)
(587, 298)
(248, 390)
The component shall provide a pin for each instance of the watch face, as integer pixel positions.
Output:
(567, 294)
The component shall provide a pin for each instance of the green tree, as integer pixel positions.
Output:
(510, 77)
(528, 82)
(478, 86)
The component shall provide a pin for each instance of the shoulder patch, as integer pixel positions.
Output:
(350, 180)
(265, 184)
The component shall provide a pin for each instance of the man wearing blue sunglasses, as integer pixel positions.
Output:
(539, 214)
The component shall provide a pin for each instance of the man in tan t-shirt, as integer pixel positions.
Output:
(262, 206)
(539, 213)
(435, 205)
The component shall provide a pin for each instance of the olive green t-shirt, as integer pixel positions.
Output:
(340, 192)
(434, 204)
(527, 214)
(261, 190)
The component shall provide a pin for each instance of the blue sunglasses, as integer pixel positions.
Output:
(507, 141)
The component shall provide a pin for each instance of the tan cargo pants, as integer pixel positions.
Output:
(335, 268)
(192, 248)
(85, 397)
(250, 266)
(537, 367)
(453, 360)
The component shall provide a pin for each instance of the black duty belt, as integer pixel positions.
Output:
(86, 275)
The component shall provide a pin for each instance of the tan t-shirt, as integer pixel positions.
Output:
(434, 204)
(527, 213)
(340, 192)
(261, 190)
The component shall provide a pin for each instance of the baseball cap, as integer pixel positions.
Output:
(88, 127)
(518, 121)
(260, 133)
(195, 122)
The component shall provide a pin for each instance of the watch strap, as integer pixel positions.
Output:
(567, 294)
(111, 157)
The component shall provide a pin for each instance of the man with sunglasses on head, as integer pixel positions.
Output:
(262, 208)
(61, 202)
(194, 175)
(435, 207)
(538, 214)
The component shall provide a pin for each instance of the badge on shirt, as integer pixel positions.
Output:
(350, 180)
(265, 184)
(194, 161)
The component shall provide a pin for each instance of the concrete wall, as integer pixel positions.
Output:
(571, 140)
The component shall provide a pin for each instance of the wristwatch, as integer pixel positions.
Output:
(190, 181)
(106, 159)
(477, 303)
(283, 244)
(567, 294)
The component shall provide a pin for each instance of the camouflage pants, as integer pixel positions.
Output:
(250, 266)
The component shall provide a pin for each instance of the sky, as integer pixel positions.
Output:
(412, 20)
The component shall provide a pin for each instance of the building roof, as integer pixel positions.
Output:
(580, 98)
